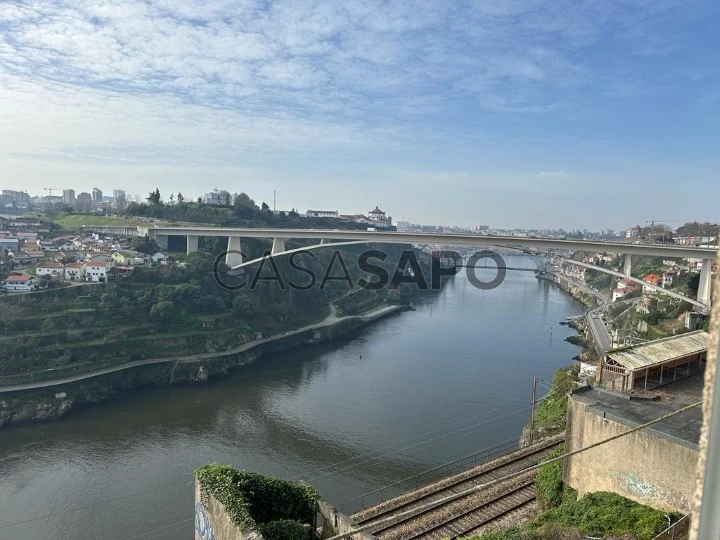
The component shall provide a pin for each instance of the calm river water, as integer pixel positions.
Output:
(408, 393)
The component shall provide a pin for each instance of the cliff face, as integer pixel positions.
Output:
(55, 402)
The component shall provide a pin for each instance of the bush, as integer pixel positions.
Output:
(548, 481)
(285, 529)
(552, 410)
(607, 514)
(257, 501)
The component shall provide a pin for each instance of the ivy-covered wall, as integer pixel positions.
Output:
(237, 504)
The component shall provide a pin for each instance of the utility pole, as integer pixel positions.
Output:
(533, 393)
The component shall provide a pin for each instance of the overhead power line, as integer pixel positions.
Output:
(470, 491)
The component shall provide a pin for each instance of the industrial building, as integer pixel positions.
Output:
(653, 364)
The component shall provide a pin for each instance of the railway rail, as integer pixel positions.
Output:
(465, 514)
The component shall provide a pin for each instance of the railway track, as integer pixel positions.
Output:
(466, 513)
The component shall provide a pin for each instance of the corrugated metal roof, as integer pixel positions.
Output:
(661, 350)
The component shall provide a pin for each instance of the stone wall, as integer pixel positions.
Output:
(333, 523)
(213, 523)
(641, 466)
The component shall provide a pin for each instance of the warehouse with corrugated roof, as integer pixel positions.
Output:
(655, 363)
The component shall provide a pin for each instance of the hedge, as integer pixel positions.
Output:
(275, 507)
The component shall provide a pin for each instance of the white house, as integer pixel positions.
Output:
(19, 282)
(45, 245)
(75, 271)
(97, 270)
(158, 258)
(64, 244)
(51, 269)
(99, 257)
(322, 213)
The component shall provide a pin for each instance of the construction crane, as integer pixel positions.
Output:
(652, 223)
(50, 190)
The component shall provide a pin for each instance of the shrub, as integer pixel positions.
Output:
(260, 502)
(607, 514)
(285, 529)
(548, 481)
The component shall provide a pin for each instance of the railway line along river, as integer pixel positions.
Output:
(406, 394)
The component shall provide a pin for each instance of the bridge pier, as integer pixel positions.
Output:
(703, 294)
(160, 239)
(233, 256)
(278, 245)
(192, 243)
(627, 265)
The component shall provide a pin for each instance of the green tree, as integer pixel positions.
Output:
(243, 200)
(154, 197)
(162, 311)
(180, 198)
(265, 207)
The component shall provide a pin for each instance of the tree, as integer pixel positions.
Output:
(243, 200)
(162, 311)
(180, 198)
(265, 207)
(144, 244)
(172, 199)
(154, 197)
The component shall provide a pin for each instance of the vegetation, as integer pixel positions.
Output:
(601, 514)
(75, 221)
(280, 510)
(173, 310)
(548, 482)
(552, 410)
(242, 213)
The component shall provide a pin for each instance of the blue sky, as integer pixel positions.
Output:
(567, 113)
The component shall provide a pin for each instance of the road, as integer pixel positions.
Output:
(328, 321)
(598, 330)
(601, 337)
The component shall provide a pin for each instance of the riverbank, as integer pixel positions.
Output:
(54, 399)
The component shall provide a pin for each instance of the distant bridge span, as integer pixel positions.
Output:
(279, 236)
(393, 237)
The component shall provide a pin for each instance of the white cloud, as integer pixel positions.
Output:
(235, 82)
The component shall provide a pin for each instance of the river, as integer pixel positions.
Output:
(406, 394)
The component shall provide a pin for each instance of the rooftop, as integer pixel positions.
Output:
(15, 278)
(632, 411)
(661, 350)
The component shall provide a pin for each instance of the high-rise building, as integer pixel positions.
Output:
(69, 196)
(19, 199)
(118, 194)
(84, 198)
(97, 195)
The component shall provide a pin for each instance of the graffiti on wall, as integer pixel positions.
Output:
(203, 530)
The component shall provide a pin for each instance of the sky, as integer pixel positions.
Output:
(537, 113)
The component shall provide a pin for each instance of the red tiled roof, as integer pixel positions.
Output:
(99, 264)
(15, 278)
(49, 265)
(75, 265)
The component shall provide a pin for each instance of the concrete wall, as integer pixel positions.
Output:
(212, 523)
(333, 523)
(641, 466)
